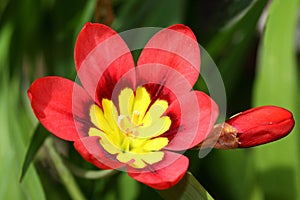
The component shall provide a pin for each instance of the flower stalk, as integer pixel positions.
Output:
(63, 172)
(89, 174)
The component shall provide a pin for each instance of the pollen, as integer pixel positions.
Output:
(132, 131)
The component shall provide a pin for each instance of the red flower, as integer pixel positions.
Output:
(125, 116)
(254, 127)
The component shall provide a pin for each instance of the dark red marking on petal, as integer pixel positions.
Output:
(158, 91)
(116, 74)
(102, 58)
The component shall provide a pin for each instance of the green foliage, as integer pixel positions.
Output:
(15, 131)
(277, 83)
(36, 142)
(37, 38)
(187, 189)
(152, 13)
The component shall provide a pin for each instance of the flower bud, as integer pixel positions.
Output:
(260, 125)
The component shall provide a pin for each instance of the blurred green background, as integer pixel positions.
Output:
(253, 43)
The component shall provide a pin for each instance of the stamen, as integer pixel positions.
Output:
(121, 123)
(135, 117)
(128, 126)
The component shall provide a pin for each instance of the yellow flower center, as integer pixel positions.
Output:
(132, 134)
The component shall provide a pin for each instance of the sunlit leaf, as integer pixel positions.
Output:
(278, 164)
(230, 48)
(13, 131)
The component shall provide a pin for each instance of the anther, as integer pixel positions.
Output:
(135, 117)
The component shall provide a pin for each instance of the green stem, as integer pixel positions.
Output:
(89, 174)
(63, 172)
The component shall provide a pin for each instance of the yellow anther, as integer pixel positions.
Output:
(135, 117)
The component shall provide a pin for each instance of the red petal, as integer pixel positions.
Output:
(91, 150)
(162, 178)
(175, 47)
(262, 125)
(102, 58)
(196, 116)
(166, 83)
(57, 103)
(89, 38)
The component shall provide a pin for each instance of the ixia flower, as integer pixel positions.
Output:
(121, 116)
(254, 127)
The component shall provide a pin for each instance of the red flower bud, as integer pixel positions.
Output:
(261, 125)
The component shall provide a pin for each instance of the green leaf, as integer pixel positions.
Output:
(230, 48)
(86, 15)
(36, 142)
(187, 189)
(147, 13)
(278, 164)
(237, 38)
(14, 128)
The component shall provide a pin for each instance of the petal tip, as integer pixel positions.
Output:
(183, 29)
